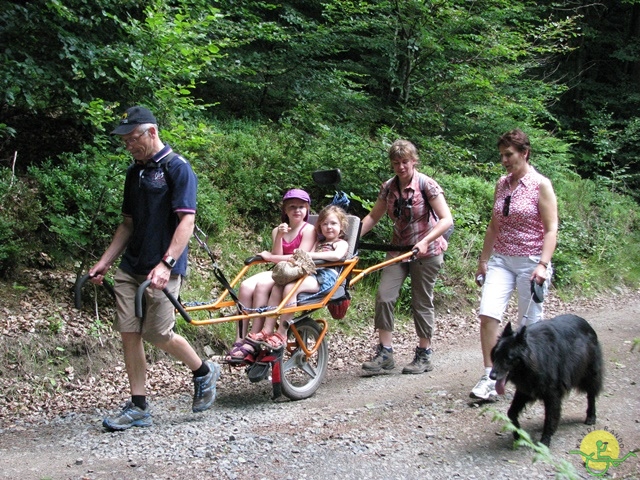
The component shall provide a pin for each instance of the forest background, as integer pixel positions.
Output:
(258, 95)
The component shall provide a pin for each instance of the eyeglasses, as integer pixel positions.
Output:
(133, 140)
(505, 207)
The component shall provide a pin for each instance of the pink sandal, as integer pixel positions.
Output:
(276, 341)
(257, 337)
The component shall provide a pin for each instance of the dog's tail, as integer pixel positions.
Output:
(592, 380)
(598, 365)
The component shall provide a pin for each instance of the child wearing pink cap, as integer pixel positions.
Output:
(294, 232)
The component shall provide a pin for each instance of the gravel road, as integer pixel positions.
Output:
(392, 426)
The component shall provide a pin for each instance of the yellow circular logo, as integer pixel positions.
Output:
(600, 445)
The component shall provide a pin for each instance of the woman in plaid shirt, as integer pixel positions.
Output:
(406, 198)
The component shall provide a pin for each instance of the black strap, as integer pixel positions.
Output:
(164, 164)
(430, 211)
(216, 270)
(225, 283)
(384, 247)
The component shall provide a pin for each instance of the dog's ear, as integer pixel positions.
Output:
(520, 334)
(507, 330)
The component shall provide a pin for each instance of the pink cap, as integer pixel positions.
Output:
(295, 193)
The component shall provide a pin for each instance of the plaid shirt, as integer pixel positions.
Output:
(410, 214)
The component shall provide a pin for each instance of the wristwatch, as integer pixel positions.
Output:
(169, 261)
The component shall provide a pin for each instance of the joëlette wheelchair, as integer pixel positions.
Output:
(298, 369)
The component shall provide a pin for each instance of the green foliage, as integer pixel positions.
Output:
(83, 194)
(598, 238)
(615, 144)
(83, 197)
(252, 165)
(154, 51)
(19, 219)
(564, 470)
(162, 54)
(214, 213)
(470, 200)
(600, 110)
(301, 86)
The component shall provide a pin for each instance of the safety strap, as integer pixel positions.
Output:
(216, 270)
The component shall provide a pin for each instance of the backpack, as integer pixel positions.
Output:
(164, 163)
(423, 190)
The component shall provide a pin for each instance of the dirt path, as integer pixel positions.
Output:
(392, 426)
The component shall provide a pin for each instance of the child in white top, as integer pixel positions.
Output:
(331, 247)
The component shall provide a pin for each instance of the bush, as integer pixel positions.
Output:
(19, 220)
(83, 195)
(598, 238)
(245, 167)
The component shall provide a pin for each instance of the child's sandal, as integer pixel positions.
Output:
(239, 351)
(276, 341)
(257, 338)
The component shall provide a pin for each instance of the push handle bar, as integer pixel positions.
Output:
(255, 258)
(140, 294)
(77, 289)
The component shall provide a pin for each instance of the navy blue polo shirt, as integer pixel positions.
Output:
(153, 202)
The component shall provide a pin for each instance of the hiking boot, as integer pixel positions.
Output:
(484, 389)
(382, 360)
(130, 416)
(205, 388)
(421, 362)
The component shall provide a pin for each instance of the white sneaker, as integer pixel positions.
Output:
(484, 389)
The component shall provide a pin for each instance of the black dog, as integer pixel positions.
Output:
(545, 361)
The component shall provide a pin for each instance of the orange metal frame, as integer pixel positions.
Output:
(348, 270)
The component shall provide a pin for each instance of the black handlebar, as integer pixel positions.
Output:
(77, 289)
(140, 295)
(255, 258)
(384, 247)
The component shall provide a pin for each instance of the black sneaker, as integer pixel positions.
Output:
(130, 416)
(382, 360)
(205, 388)
(421, 362)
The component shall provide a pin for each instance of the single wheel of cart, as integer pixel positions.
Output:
(304, 360)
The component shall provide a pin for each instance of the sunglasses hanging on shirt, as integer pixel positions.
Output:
(505, 207)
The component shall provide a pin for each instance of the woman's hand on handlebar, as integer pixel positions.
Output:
(420, 248)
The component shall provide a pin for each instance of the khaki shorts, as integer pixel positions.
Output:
(159, 317)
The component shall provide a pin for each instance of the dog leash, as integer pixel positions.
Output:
(537, 296)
